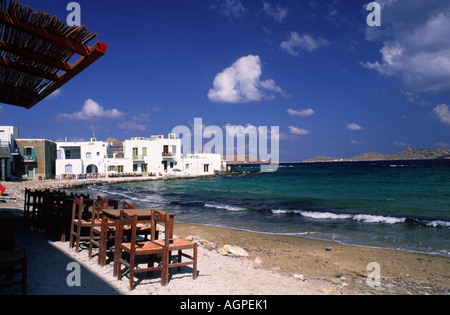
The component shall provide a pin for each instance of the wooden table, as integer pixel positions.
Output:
(143, 216)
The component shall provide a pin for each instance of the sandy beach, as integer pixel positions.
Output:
(275, 265)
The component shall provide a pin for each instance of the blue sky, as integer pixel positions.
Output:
(333, 85)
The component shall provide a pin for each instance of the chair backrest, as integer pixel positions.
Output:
(159, 216)
(77, 207)
(126, 205)
(128, 220)
(97, 209)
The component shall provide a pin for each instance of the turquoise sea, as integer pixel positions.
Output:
(391, 204)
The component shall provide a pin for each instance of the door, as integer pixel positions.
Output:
(30, 171)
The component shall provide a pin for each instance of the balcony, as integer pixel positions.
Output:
(138, 157)
(168, 155)
(28, 158)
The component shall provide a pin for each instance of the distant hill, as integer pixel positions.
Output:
(407, 154)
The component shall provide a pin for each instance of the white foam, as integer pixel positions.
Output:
(377, 219)
(439, 223)
(358, 217)
(325, 215)
(223, 206)
(281, 211)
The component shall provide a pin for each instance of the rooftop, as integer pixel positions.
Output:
(35, 51)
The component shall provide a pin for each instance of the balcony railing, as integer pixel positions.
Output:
(138, 157)
(168, 154)
(28, 158)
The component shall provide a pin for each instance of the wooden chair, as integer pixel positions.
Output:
(100, 233)
(141, 229)
(150, 249)
(9, 260)
(96, 237)
(26, 203)
(78, 223)
(172, 244)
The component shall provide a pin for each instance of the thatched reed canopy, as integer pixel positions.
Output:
(35, 51)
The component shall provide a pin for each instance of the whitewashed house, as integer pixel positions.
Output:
(8, 135)
(80, 158)
(141, 156)
(154, 155)
(201, 163)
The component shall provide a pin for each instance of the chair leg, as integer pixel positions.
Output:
(179, 259)
(165, 269)
(91, 238)
(194, 266)
(71, 237)
(131, 272)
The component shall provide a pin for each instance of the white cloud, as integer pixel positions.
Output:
(301, 113)
(278, 13)
(57, 93)
(230, 8)
(92, 110)
(416, 45)
(298, 131)
(241, 83)
(443, 113)
(354, 126)
(357, 142)
(129, 126)
(295, 43)
(400, 144)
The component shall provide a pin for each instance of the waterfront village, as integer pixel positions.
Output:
(39, 159)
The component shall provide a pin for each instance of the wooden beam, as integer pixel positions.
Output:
(97, 51)
(27, 69)
(16, 96)
(33, 56)
(57, 39)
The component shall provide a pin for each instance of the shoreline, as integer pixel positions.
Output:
(344, 266)
(323, 267)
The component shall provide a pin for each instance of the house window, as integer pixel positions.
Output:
(206, 168)
(144, 151)
(135, 167)
(28, 151)
(120, 168)
(135, 151)
(187, 166)
(144, 167)
(88, 155)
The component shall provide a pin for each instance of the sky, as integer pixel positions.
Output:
(334, 85)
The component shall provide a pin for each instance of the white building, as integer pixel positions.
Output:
(201, 163)
(141, 156)
(77, 158)
(8, 135)
(155, 155)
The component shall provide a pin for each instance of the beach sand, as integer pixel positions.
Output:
(276, 265)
